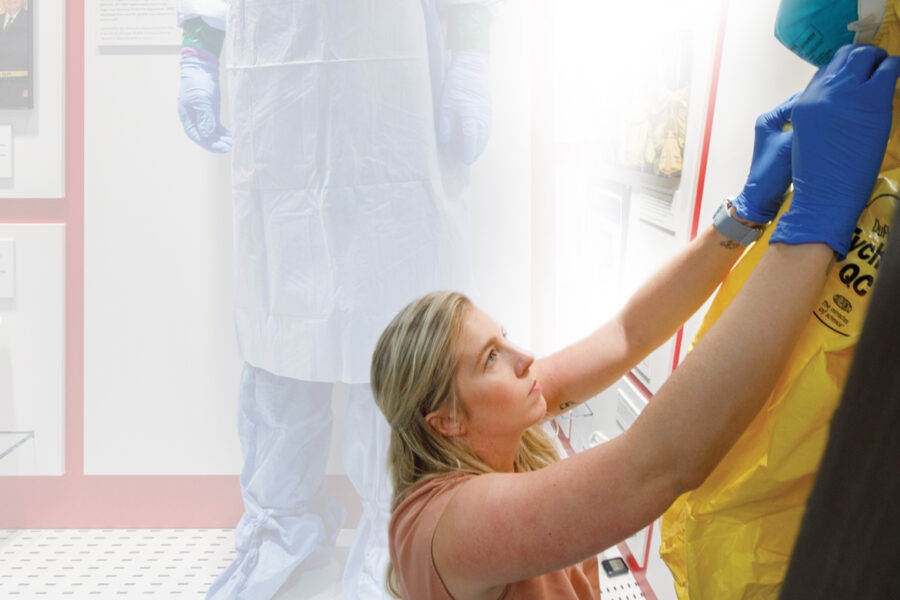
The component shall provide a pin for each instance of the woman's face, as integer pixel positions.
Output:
(500, 396)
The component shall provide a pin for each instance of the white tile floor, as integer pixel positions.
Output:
(136, 563)
(95, 564)
(111, 563)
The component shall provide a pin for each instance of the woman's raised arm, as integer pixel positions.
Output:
(502, 528)
(662, 305)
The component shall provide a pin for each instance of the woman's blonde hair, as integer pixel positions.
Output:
(413, 370)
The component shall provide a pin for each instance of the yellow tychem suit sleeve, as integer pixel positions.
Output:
(732, 537)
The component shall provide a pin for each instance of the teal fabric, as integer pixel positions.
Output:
(815, 29)
(199, 34)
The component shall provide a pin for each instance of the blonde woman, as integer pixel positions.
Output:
(482, 509)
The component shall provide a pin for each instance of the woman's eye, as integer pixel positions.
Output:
(491, 356)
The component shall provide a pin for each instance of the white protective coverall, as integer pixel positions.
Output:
(342, 215)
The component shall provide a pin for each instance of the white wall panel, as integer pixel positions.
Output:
(161, 367)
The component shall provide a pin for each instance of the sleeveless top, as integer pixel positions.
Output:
(412, 530)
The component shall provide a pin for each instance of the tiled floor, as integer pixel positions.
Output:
(94, 564)
(111, 563)
(135, 563)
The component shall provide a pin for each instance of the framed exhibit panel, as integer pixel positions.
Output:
(16, 54)
(32, 93)
(32, 325)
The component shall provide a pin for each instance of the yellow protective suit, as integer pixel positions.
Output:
(732, 537)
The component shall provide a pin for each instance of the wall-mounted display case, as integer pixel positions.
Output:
(32, 99)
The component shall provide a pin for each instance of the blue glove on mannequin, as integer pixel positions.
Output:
(464, 120)
(841, 127)
(198, 104)
(770, 169)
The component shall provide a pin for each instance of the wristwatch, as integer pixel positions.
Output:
(732, 228)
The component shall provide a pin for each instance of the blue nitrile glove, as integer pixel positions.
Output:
(841, 126)
(464, 120)
(770, 168)
(198, 104)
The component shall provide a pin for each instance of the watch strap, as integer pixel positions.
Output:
(732, 228)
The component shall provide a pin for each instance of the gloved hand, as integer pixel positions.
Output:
(464, 120)
(770, 168)
(198, 104)
(841, 126)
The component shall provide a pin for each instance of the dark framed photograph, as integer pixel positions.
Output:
(17, 53)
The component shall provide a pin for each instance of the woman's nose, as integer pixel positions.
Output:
(524, 360)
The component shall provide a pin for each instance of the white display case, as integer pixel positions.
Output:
(32, 127)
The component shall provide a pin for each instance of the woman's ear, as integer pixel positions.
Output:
(445, 422)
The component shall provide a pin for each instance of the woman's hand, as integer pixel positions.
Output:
(770, 168)
(841, 127)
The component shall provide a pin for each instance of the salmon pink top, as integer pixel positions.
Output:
(412, 530)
